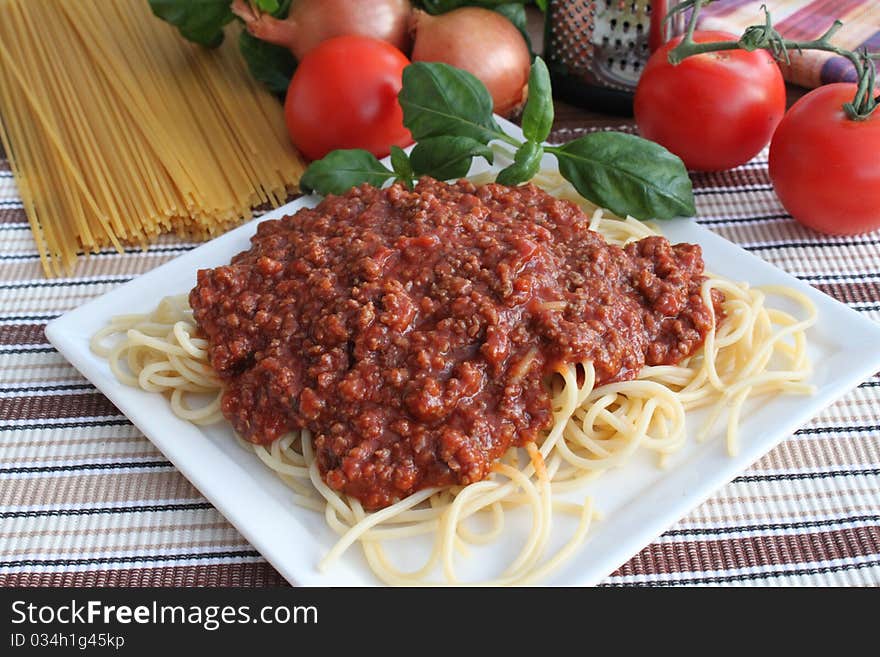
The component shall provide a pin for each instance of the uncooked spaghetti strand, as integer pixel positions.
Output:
(55, 140)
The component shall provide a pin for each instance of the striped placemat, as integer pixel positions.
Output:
(86, 500)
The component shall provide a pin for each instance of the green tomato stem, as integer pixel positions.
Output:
(503, 136)
(767, 38)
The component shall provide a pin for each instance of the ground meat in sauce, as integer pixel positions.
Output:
(411, 331)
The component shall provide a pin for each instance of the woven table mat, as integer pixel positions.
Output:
(86, 500)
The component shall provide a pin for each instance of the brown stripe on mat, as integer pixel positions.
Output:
(862, 292)
(731, 553)
(258, 574)
(95, 489)
(12, 216)
(23, 334)
(855, 414)
(842, 451)
(829, 260)
(129, 266)
(562, 135)
(742, 177)
(90, 404)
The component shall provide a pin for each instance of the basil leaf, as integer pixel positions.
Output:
(628, 175)
(439, 99)
(270, 64)
(537, 119)
(339, 171)
(435, 7)
(401, 165)
(447, 158)
(200, 21)
(525, 165)
(282, 7)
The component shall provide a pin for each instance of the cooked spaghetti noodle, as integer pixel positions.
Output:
(118, 130)
(756, 350)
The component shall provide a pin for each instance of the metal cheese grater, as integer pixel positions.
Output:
(596, 49)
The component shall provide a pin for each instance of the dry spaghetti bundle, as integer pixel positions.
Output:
(118, 130)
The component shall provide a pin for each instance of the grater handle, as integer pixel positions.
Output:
(657, 29)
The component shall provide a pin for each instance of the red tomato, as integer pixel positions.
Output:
(826, 167)
(716, 110)
(344, 95)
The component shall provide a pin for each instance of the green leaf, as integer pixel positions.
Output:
(439, 99)
(200, 21)
(447, 158)
(525, 165)
(542, 5)
(339, 171)
(537, 119)
(401, 165)
(435, 7)
(627, 175)
(270, 64)
(282, 7)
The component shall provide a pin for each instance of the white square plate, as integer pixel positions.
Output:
(638, 501)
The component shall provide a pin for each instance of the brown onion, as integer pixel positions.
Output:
(312, 21)
(482, 42)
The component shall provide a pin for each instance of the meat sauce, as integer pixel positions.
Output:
(412, 332)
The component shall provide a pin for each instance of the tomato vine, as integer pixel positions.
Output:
(766, 37)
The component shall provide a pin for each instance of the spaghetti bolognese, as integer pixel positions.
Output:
(408, 360)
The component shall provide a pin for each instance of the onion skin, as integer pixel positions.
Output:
(312, 21)
(482, 42)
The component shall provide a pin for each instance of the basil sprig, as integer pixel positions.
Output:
(203, 22)
(341, 170)
(538, 114)
(449, 113)
(439, 99)
(627, 175)
(446, 157)
(199, 22)
(526, 164)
